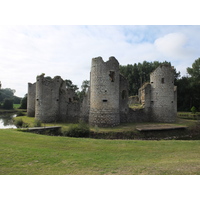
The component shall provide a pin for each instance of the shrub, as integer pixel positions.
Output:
(37, 123)
(20, 114)
(193, 110)
(8, 104)
(19, 123)
(78, 130)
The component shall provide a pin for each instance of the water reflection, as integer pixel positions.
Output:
(6, 120)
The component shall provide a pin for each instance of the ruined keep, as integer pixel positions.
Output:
(159, 97)
(106, 101)
(104, 92)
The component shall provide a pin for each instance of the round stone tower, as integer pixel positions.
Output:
(104, 93)
(163, 94)
(47, 98)
(31, 100)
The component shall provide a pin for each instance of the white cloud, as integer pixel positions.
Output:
(172, 45)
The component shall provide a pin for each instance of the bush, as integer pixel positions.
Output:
(78, 130)
(193, 110)
(20, 114)
(19, 123)
(37, 123)
(8, 104)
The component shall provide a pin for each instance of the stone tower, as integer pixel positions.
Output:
(163, 94)
(47, 98)
(31, 100)
(104, 93)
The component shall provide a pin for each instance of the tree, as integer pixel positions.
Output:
(6, 93)
(85, 85)
(8, 104)
(24, 102)
(70, 85)
(194, 78)
(194, 71)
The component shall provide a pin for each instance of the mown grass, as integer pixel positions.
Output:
(28, 153)
(16, 106)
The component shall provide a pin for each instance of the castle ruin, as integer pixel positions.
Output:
(106, 101)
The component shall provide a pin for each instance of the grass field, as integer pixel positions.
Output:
(28, 153)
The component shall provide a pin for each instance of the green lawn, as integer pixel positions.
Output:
(28, 153)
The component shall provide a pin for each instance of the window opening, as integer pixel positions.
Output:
(112, 76)
(162, 80)
(124, 94)
(105, 100)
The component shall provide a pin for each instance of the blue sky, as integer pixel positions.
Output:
(67, 50)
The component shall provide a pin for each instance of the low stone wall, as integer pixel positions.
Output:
(140, 115)
(54, 130)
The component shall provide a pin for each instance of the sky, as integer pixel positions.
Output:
(67, 50)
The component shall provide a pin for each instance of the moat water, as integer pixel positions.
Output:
(6, 120)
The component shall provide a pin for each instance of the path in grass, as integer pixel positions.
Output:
(28, 153)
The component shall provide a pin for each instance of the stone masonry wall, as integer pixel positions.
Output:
(104, 93)
(163, 100)
(48, 98)
(123, 99)
(31, 100)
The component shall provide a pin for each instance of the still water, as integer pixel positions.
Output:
(6, 120)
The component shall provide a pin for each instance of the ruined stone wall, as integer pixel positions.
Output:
(139, 115)
(48, 98)
(73, 112)
(123, 99)
(85, 107)
(63, 102)
(104, 93)
(163, 100)
(145, 95)
(31, 100)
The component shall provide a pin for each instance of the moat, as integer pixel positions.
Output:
(6, 120)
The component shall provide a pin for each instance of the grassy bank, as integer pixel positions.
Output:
(28, 153)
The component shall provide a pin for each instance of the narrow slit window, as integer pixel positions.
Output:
(105, 100)
(162, 80)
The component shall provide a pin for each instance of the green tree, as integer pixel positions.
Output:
(70, 85)
(24, 102)
(194, 71)
(85, 85)
(6, 93)
(194, 78)
(193, 110)
(8, 104)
